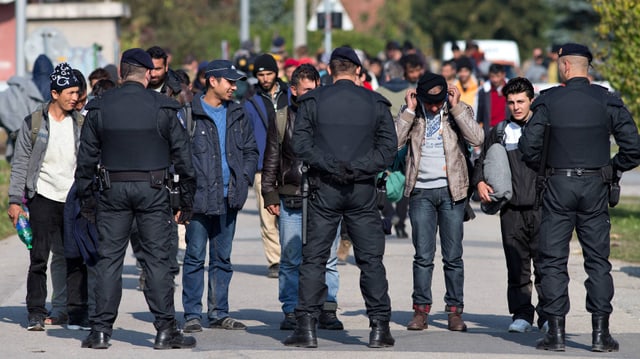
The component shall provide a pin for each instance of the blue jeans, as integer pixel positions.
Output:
(430, 209)
(290, 226)
(218, 231)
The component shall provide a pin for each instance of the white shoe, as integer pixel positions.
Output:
(545, 327)
(520, 326)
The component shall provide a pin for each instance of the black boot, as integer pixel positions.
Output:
(304, 335)
(96, 340)
(170, 337)
(328, 318)
(380, 336)
(602, 341)
(554, 338)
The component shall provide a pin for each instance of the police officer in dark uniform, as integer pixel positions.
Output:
(345, 134)
(135, 134)
(581, 117)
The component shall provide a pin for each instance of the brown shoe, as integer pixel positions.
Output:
(419, 320)
(455, 322)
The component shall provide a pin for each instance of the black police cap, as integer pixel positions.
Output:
(346, 53)
(137, 57)
(575, 50)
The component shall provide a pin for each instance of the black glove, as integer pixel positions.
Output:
(88, 209)
(185, 215)
(344, 174)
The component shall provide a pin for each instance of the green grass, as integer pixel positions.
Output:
(6, 227)
(625, 230)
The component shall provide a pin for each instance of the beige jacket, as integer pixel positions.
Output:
(458, 120)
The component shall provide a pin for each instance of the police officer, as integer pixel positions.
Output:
(581, 117)
(135, 134)
(346, 135)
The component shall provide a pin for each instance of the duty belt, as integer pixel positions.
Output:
(136, 176)
(575, 172)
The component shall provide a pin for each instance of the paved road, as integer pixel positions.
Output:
(253, 299)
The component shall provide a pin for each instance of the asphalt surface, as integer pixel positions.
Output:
(254, 300)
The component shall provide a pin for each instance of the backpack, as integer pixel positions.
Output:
(500, 137)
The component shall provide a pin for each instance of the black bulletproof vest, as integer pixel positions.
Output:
(580, 127)
(346, 120)
(130, 136)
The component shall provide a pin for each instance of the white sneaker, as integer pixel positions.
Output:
(545, 327)
(519, 326)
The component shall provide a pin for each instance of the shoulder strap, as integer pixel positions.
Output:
(36, 122)
(281, 122)
(500, 131)
(189, 123)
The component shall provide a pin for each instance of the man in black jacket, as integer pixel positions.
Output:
(135, 134)
(581, 118)
(519, 221)
(345, 134)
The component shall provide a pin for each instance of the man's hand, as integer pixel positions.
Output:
(483, 191)
(454, 95)
(411, 99)
(274, 209)
(14, 211)
(183, 216)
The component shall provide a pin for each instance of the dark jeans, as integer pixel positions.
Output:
(117, 207)
(77, 295)
(430, 210)
(579, 203)
(356, 205)
(46, 218)
(520, 236)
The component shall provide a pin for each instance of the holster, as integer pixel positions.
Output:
(381, 191)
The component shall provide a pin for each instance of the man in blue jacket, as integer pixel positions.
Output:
(225, 156)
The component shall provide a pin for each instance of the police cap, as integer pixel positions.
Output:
(575, 50)
(137, 57)
(345, 53)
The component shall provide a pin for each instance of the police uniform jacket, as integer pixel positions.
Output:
(241, 154)
(133, 129)
(582, 118)
(345, 125)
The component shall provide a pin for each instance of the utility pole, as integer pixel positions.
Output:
(300, 20)
(327, 27)
(21, 25)
(244, 20)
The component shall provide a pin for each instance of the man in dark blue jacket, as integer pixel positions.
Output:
(224, 157)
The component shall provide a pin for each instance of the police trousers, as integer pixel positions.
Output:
(117, 208)
(580, 203)
(356, 205)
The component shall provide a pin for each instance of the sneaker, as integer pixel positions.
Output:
(544, 328)
(35, 325)
(192, 326)
(81, 325)
(273, 271)
(289, 322)
(520, 326)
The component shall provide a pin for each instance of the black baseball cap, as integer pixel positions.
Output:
(575, 50)
(345, 53)
(137, 57)
(223, 68)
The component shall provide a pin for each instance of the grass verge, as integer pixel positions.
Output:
(625, 230)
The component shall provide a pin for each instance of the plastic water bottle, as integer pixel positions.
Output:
(24, 231)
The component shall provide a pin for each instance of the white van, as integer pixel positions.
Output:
(503, 51)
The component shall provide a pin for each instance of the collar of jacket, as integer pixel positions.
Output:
(198, 110)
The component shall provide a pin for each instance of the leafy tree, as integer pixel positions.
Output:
(620, 49)
(572, 21)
